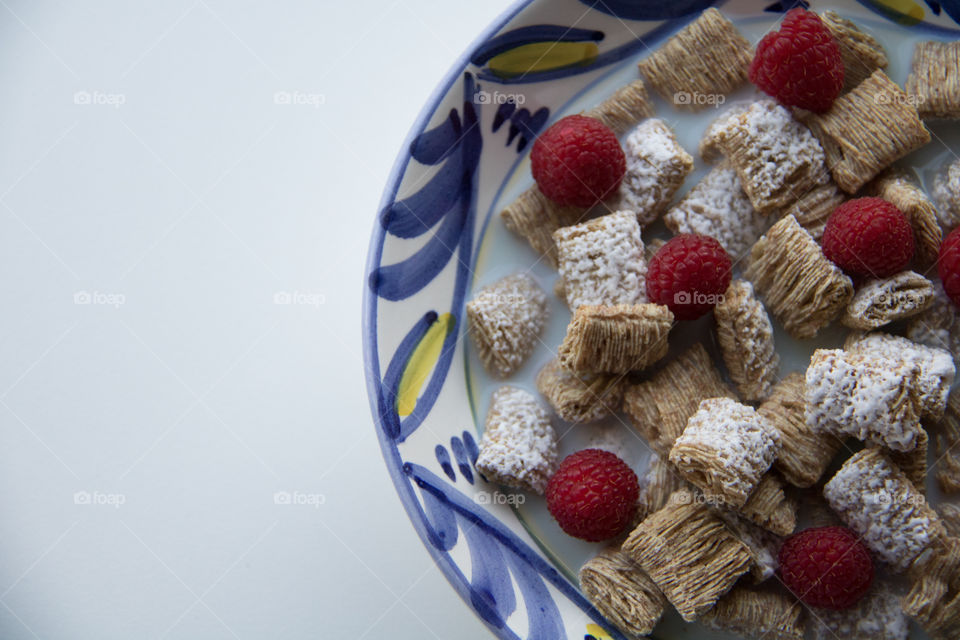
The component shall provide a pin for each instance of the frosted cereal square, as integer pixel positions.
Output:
(689, 553)
(616, 585)
(861, 53)
(867, 130)
(878, 616)
(660, 407)
(802, 289)
(946, 196)
(757, 613)
(804, 454)
(519, 446)
(777, 158)
(934, 81)
(863, 396)
(505, 320)
(656, 167)
(615, 339)
(580, 398)
(717, 206)
(936, 368)
(706, 59)
(939, 325)
(880, 301)
(745, 336)
(725, 450)
(602, 261)
(875, 499)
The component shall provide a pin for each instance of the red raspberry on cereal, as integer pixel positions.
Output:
(800, 65)
(948, 266)
(578, 162)
(689, 274)
(593, 495)
(826, 567)
(868, 237)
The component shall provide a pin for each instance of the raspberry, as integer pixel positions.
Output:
(593, 495)
(799, 65)
(578, 161)
(826, 567)
(689, 274)
(949, 265)
(868, 237)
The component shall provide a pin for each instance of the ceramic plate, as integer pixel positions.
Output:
(437, 238)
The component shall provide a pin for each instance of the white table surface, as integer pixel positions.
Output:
(154, 200)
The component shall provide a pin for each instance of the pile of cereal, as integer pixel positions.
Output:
(802, 223)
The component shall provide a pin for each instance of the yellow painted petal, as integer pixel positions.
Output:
(421, 363)
(542, 56)
(910, 9)
(598, 632)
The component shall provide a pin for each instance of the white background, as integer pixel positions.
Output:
(155, 199)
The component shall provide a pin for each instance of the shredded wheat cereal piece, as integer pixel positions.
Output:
(946, 195)
(659, 408)
(804, 454)
(690, 554)
(656, 167)
(936, 368)
(950, 517)
(706, 59)
(769, 506)
(867, 130)
(777, 158)
(762, 544)
(602, 262)
(813, 208)
(580, 398)
(880, 301)
(709, 148)
(914, 463)
(875, 499)
(803, 289)
(615, 339)
(861, 53)
(535, 217)
(878, 616)
(947, 450)
(934, 80)
(939, 325)
(897, 188)
(725, 450)
(745, 335)
(519, 446)
(616, 585)
(934, 597)
(506, 319)
(659, 482)
(624, 109)
(716, 206)
(757, 613)
(865, 396)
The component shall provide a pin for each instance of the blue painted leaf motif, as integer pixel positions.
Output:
(492, 594)
(934, 7)
(785, 5)
(443, 457)
(648, 9)
(387, 400)
(449, 196)
(472, 449)
(495, 549)
(952, 8)
(460, 453)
